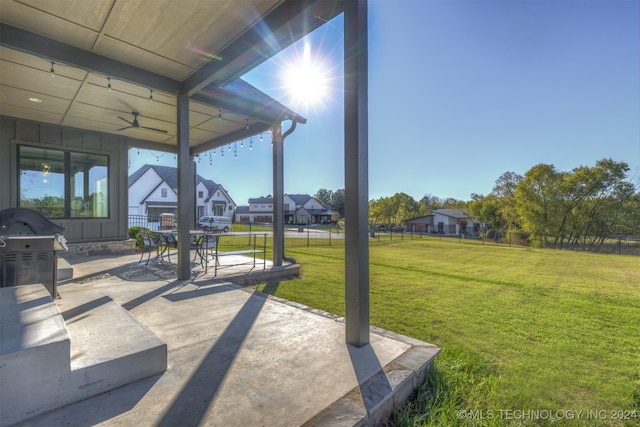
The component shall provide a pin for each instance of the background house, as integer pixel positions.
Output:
(298, 209)
(442, 221)
(153, 191)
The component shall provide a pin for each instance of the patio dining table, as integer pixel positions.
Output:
(207, 243)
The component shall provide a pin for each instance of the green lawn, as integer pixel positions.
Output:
(520, 328)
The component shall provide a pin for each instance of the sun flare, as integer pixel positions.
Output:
(306, 79)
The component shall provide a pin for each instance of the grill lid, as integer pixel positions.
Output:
(23, 221)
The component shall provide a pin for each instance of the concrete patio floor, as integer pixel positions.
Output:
(236, 357)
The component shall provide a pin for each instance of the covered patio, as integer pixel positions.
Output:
(81, 83)
(235, 356)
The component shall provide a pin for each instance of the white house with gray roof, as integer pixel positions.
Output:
(298, 209)
(153, 191)
(443, 221)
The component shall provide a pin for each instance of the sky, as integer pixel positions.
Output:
(459, 93)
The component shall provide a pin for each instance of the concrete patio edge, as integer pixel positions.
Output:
(404, 375)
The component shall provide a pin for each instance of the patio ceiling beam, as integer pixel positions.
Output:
(52, 50)
(273, 112)
(286, 24)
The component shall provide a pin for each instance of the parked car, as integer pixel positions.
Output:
(397, 229)
(215, 223)
(382, 228)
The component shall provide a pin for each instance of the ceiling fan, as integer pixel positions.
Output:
(136, 125)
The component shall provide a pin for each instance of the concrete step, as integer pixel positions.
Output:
(102, 331)
(57, 353)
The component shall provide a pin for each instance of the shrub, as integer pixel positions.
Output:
(134, 233)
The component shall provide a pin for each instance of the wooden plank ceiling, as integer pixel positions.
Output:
(113, 57)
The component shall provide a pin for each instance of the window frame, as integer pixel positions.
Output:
(67, 177)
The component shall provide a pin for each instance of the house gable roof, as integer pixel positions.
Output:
(418, 218)
(299, 199)
(261, 200)
(453, 213)
(169, 175)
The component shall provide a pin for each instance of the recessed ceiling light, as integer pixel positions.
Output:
(35, 99)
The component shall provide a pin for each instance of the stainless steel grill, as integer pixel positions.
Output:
(29, 243)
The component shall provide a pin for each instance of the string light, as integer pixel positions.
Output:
(235, 150)
(251, 142)
(158, 156)
(151, 99)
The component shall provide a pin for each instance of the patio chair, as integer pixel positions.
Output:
(205, 245)
(149, 242)
(168, 242)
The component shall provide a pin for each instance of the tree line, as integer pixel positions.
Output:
(543, 207)
(548, 207)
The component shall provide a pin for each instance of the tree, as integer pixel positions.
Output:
(431, 202)
(505, 191)
(334, 198)
(538, 200)
(486, 209)
(337, 202)
(586, 204)
(405, 207)
(394, 209)
(324, 196)
(380, 211)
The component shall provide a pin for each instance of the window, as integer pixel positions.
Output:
(218, 194)
(63, 184)
(163, 192)
(200, 194)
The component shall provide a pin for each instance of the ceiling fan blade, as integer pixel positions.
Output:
(153, 129)
(128, 127)
(122, 118)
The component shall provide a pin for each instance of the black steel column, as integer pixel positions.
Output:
(186, 190)
(278, 196)
(356, 159)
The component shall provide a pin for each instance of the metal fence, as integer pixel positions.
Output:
(609, 245)
(333, 235)
(152, 222)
